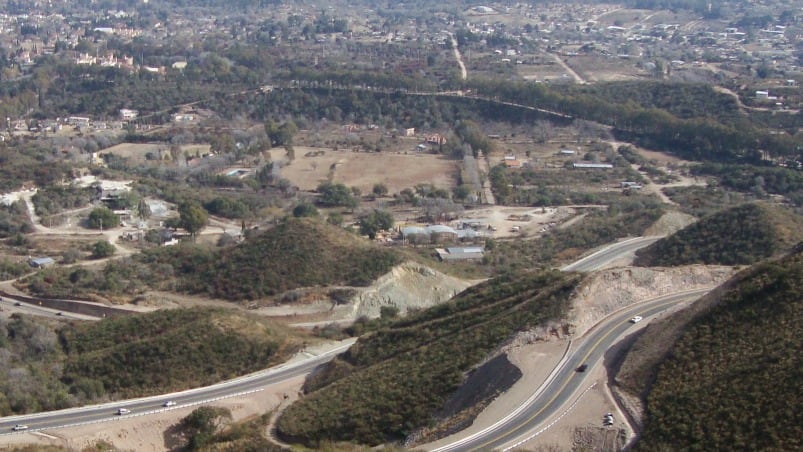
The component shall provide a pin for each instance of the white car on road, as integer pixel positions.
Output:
(123, 411)
(20, 427)
(636, 319)
(169, 403)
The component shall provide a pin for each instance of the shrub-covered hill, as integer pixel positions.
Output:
(298, 252)
(394, 381)
(47, 366)
(725, 374)
(169, 350)
(740, 235)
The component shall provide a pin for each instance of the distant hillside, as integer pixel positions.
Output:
(737, 236)
(395, 381)
(296, 253)
(725, 373)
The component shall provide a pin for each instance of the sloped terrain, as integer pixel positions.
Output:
(394, 381)
(169, 350)
(296, 253)
(408, 286)
(740, 235)
(724, 374)
(51, 365)
(604, 292)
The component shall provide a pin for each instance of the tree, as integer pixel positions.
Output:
(143, 209)
(305, 210)
(101, 249)
(461, 192)
(223, 143)
(267, 175)
(70, 256)
(280, 135)
(380, 190)
(192, 217)
(103, 217)
(335, 219)
(375, 221)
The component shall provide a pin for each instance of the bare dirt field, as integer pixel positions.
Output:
(397, 171)
(593, 68)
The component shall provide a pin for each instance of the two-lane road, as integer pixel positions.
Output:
(561, 390)
(610, 253)
(105, 412)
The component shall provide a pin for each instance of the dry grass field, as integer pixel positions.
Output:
(136, 152)
(397, 171)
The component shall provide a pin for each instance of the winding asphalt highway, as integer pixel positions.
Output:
(148, 405)
(561, 390)
(555, 395)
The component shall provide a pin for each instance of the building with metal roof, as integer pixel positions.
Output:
(460, 253)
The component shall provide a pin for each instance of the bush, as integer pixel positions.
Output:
(305, 210)
(103, 217)
(102, 249)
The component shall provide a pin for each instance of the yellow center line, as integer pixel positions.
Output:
(566, 382)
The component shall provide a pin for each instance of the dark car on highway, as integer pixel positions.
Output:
(582, 367)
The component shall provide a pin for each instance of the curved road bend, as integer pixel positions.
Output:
(610, 253)
(562, 389)
(259, 380)
(106, 412)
